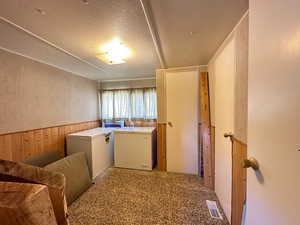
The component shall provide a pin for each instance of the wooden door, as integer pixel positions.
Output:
(182, 97)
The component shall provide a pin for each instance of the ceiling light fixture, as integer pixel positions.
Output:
(114, 52)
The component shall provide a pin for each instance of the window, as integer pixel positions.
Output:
(132, 104)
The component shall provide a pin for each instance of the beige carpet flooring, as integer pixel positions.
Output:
(132, 197)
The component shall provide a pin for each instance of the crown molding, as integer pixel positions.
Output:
(130, 79)
(153, 32)
(228, 38)
(201, 68)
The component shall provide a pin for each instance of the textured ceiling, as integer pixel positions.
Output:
(190, 31)
(18, 41)
(80, 28)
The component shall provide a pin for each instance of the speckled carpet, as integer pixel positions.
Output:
(132, 197)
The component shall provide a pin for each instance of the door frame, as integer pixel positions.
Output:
(162, 120)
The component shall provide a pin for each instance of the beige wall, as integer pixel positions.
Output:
(161, 96)
(228, 74)
(35, 95)
(240, 34)
(224, 73)
(241, 80)
(274, 109)
(128, 84)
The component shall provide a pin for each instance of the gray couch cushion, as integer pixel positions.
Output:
(43, 159)
(75, 169)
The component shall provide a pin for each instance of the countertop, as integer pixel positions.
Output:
(104, 131)
(142, 130)
(93, 132)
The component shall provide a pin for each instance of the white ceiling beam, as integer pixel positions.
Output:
(51, 44)
(153, 31)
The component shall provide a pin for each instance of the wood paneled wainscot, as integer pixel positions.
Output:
(22, 145)
(161, 147)
(239, 180)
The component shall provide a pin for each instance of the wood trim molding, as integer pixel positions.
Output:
(200, 68)
(213, 154)
(234, 139)
(130, 79)
(153, 32)
(21, 145)
(228, 38)
(206, 131)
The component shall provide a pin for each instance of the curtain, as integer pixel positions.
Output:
(137, 104)
(107, 105)
(131, 104)
(121, 104)
(150, 108)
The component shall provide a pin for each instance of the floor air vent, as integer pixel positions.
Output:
(213, 209)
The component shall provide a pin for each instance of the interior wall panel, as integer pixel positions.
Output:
(236, 63)
(34, 95)
(241, 80)
(161, 96)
